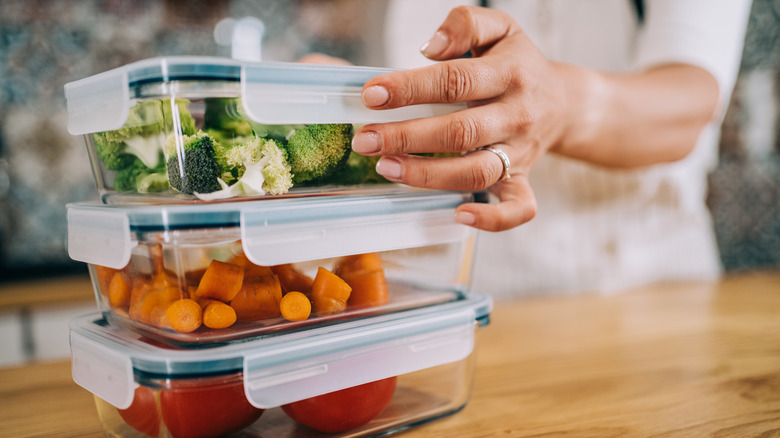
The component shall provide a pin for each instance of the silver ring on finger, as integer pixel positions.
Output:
(504, 161)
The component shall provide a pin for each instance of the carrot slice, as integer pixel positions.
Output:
(103, 276)
(329, 292)
(119, 292)
(184, 315)
(217, 315)
(292, 279)
(295, 306)
(258, 298)
(221, 281)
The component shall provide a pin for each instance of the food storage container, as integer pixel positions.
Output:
(210, 273)
(197, 129)
(365, 377)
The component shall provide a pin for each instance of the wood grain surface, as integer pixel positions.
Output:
(670, 360)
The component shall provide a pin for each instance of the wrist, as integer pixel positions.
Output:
(584, 105)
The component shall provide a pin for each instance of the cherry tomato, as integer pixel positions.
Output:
(344, 409)
(198, 409)
(142, 413)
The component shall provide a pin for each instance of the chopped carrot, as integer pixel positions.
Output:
(292, 279)
(103, 277)
(329, 292)
(369, 289)
(119, 292)
(258, 298)
(328, 305)
(218, 315)
(152, 306)
(295, 306)
(365, 274)
(370, 261)
(257, 271)
(221, 281)
(184, 316)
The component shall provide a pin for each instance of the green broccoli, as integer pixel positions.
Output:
(359, 169)
(318, 150)
(142, 135)
(195, 168)
(223, 121)
(137, 177)
(260, 167)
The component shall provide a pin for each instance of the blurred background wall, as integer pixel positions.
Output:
(45, 44)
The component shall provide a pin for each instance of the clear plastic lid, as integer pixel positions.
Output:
(277, 231)
(281, 369)
(271, 93)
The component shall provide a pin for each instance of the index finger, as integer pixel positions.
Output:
(454, 81)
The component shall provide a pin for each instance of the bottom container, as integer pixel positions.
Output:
(369, 377)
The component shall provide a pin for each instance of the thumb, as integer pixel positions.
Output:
(468, 28)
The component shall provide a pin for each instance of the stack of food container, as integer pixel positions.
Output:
(255, 277)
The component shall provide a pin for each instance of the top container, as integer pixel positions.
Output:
(197, 129)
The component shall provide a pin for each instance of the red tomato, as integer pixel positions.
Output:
(344, 409)
(142, 413)
(204, 410)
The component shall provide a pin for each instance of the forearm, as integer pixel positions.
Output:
(634, 120)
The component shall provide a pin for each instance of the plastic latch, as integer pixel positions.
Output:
(102, 371)
(268, 244)
(268, 386)
(99, 237)
(98, 103)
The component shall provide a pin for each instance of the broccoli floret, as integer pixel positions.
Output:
(318, 150)
(142, 135)
(224, 122)
(359, 169)
(260, 167)
(153, 182)
(137, 177)
(195, 168)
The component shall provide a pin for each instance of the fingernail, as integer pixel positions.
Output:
(436, 45)
(390, 168)
(375, 96)
(367, 142)
(465, 218)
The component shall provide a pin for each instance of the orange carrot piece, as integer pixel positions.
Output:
(292, 279)
(217, 315)
(184, 316)
(152, 306)
(328, 305)
(221, 281)
(357, 263)
(257, 271)
(329, 292)
(103, 276)
(369, 288)
(119, 292)
(295, 306)
(258, 298)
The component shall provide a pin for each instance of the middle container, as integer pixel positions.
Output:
(183, 273)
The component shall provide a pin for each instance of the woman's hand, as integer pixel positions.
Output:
(517, 104)
(524, 105)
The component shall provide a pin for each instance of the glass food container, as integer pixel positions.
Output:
(366, 377)
(213, 273)
(199, 129)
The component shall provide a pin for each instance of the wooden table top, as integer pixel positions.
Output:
(671, 360)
